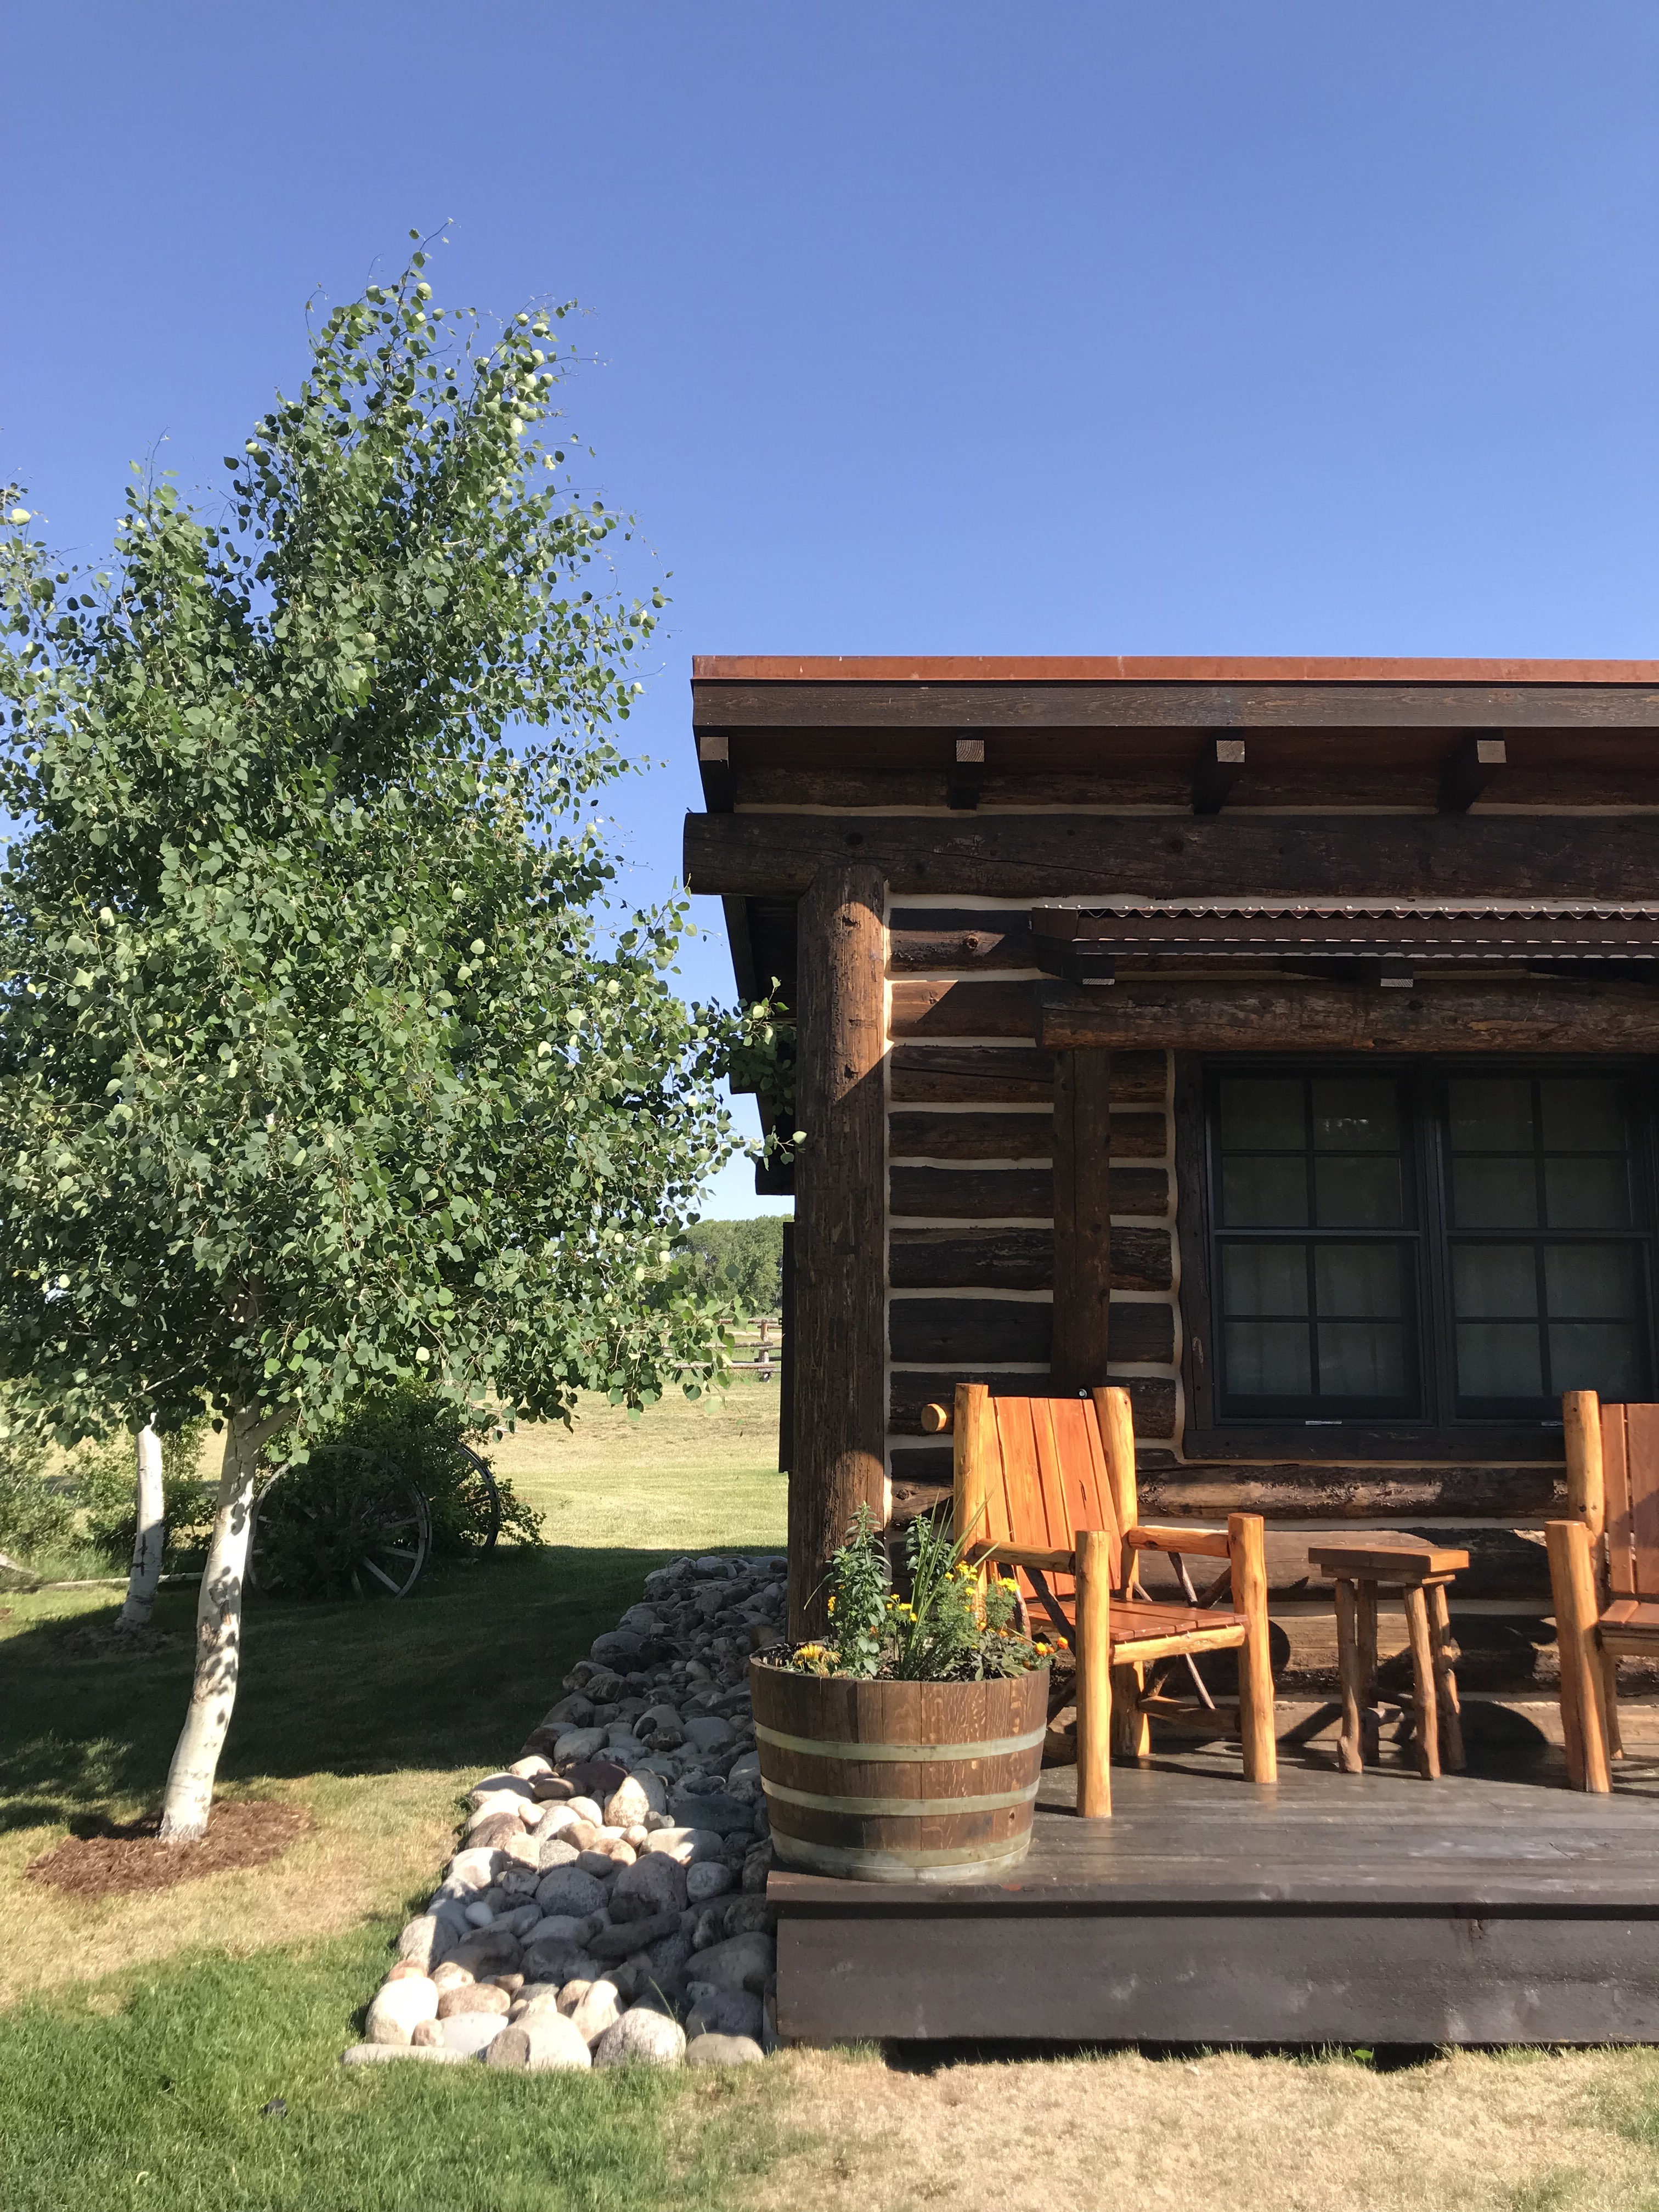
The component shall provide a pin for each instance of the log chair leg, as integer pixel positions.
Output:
(1370, 1743)
(1422, 1696)
(1094, 1674)
(1445, 1681)
(1247, 1539)
(1348, 1753)
(1584, 1715)
(1132, 1732)
(1610, 1702)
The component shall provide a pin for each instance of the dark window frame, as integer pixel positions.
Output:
(1437, 1434)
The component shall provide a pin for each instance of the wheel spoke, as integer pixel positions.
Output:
(381, 1576)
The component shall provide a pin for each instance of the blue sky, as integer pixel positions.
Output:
(1216, 326)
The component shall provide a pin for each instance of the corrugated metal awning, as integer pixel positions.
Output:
(1388, 939)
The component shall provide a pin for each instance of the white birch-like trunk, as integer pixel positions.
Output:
(150, 1541)
(218, 1636)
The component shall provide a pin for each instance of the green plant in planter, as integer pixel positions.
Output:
(955, 1627)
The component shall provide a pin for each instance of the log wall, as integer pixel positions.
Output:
(971, 1150)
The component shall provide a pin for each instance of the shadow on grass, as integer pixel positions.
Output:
(456, 1674)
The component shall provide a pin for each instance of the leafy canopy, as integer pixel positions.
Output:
(316, 1069)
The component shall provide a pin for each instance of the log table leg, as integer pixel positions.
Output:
(1423, 1698)
(1370, 1745)
(1349, 1752)
(1445, 1679)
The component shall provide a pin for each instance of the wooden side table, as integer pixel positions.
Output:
(1420, 1572)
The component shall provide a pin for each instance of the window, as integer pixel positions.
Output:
(1411, 1246)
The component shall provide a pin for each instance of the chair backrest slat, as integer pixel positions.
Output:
(1639, 1500)
(1621, 1556)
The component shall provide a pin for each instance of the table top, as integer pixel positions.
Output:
(1384, 1561)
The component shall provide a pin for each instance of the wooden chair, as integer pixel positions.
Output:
(1046, 1486)
(1604, 1572)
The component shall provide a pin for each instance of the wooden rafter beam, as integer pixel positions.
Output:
(1220, 764)
(1478, 757)
(961, 787)
(1051, 856)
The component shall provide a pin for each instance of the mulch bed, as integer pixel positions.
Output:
(117, 1860)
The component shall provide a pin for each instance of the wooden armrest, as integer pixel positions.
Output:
(1206, 1543)
(1017, 1555)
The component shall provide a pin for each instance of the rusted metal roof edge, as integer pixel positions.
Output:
(1126, 668)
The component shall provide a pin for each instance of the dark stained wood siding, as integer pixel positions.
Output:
(970, 1186)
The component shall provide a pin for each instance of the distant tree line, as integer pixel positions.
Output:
(741, 1263)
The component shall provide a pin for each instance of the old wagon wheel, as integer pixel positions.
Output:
(466, 1506)
(347, 1522)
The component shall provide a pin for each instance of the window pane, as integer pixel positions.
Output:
(1587, 1194)
(1589, 1282)
(1499, 1359)
(1494, 1282)
(1600, 1356)
(1355, 1113)
(1264, 1278)
(1491, 1113)
(1268, 1358)
(1262, 1113)
(1582, 1113)
(1495, 1194)
(1355, 1281)
(1357, 1193)
(1265, 1194)
(1361, 1359)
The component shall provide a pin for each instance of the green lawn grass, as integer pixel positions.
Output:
(146, 2036)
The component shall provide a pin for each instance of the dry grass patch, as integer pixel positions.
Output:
(1471, 2132)
(374, 1843)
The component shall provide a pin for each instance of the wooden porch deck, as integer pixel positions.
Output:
(1495, 1907)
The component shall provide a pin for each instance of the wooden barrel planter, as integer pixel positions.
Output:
(899, 1781)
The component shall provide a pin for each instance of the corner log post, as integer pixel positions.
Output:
(837, 1458)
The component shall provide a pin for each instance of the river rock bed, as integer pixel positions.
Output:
(606, 1904)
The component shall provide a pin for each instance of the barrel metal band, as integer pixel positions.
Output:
(997, 1801)
(996, 1746)
(964, 1863)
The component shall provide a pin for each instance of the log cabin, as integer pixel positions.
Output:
(1274, 1037)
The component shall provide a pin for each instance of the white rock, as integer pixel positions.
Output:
(707, 1731)
(371, 2054)
(398, 2006)
(642, 2037)
(584, 1808)
(555, 1820)
(629, 1804)
(709, 1878)
(527, 1768)
(474, 1869)
(427, 1941)
(479, 1916)
(688, 1845)
(578, 1743)
(598, 2010)
(711, 2050)
(469, 2032)
(501, 1785)
(542, 2043)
